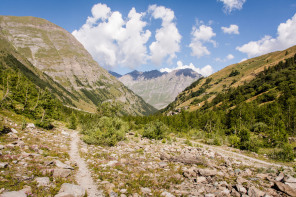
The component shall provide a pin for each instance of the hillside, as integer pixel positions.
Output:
(206, 89)
(159, 88)
(65, 67)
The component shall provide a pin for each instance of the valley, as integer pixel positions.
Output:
(71, 128)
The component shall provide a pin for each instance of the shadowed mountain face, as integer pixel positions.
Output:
(159, 88)
(56, 53)
(115, 74)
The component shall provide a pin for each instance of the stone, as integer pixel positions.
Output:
(113, 194)
(14, 131)
(145, 190)
(280, 177)
(284, 188)
(209, 195)
(71, 189)
(31, 126)
(235, 193)
(27, 189)
(289, 179)
(3, 165)
(64, 194)
(14, 194)
(60, 164)
(42, 181)
(1, 147)
(65, 133)
(240, 180)
(207, 172)
(254, 192)
(241, 189)
(167, 194)
(123, 191)
(201, 179)
(292, 185)
(63, 173)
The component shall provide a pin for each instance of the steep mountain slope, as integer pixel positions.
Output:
(157, 88)
(57, 54)
(205, 89)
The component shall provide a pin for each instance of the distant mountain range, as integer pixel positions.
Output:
(158, 88)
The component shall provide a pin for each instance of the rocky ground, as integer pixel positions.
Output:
(36, 162)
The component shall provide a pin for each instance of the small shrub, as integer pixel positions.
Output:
(234, 73)
(45, 124)
(155, 130)
(73, 122)
(234, 140)
(109, 132)
(286, 153)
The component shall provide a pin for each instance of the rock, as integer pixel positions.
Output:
(14, 194)
(241, 189)
(113, 194)
(162, 164)
(69, 190)
(292, 185)
(254, 192)
(280, 177)
(27, 189)
(65, 133)
(145, 190)
(284, 188)
(207, 172)
(64, 194)
(31, 126)
(189, 173)
(235, 193)
(3, 165)
(1, 147)
(42, 181)
(240, 180)
(14, 131)
(167, 194)
(209, 195)
(123, 191)
(63, 173)
(60, 164)
(289, 179)
(248, 172)
(201, 179)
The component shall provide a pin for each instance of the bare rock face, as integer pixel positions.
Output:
(159, 88)
(59, 55)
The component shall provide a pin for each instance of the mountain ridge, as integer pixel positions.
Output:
(57, 53)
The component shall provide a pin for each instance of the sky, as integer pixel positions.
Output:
(205, 35)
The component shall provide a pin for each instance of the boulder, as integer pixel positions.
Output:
(42, 181)
(14, 194)
(167, 194)
(3, 165)
(254, 192)
(60, 164)
(241, 189)
(71, 190)
(31, 126)
(63, 173)
(284, 188)
(207, 172)
(145, 190)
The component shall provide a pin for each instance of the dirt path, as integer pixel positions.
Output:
(237, 156)
(83, 176)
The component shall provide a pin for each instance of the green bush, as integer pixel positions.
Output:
(73, 122)
(45, 124)
(109, 131)
(286, 153)
(155, 130)
(259, 127)
(234, 140)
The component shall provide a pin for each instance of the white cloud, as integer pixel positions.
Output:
(285, 39)
(167, 38)
(112, 40)
(230, 5)
(244, 59)
(228, 57)
(232, 29)
(202, 34)
(205, 71)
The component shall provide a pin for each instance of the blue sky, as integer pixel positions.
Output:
(206, 35)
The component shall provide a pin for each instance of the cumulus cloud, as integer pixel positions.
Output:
(230, 5)
(205, 71)
(201, 35)
(232, 29)
(112, 40)
(167, 38)
(285, 39)
(228, 57)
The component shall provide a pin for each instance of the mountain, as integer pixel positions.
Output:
(205, 90)
(55, 56)
(159, 88)
(115, 74)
